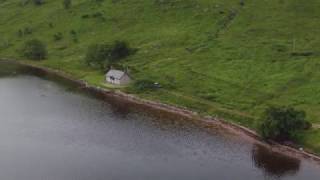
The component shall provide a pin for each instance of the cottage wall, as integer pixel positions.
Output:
(125, 80)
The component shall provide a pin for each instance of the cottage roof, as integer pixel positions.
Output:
(116, 74)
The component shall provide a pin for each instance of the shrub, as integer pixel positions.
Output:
(58, 36)
(28, 30)
(51, 25)
(35, 50)
(144, 85)
(38, 2)
(85, 16)
(74, 36)
(20, 33)
(67, 4)
(97, 55)
(97, 15)
(282, 123)
(119, 50)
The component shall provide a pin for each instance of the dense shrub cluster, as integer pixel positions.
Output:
(144, 85)
(97, 55)
(283, 123)
(104, 55)
(34, 50)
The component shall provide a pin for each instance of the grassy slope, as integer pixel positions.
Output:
(221, 58)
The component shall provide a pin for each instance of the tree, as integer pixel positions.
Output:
(97, 55)
(35, 50)
(67, 4)
(282, 123)
(103, 55)
(119, 50)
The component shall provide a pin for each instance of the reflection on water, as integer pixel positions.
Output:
(118, 107)
(273, 163)
(51, 129)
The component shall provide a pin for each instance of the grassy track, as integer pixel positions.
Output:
(218, 57)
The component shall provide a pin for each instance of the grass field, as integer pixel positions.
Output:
(230, 58)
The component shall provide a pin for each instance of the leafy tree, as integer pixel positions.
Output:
(103, 55)
(282, 123)
(97, 55)
(119, 50)
(35, 50)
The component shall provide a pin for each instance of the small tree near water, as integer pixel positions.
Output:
(282, 123)
(34, 50)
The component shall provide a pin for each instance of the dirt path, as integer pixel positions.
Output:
(316, 126)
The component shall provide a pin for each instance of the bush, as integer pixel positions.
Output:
(58, 36)
(103, 55)
(119, 50)
(145, 85)
(97, 55)
(35, 50)
(67, 4)
(38, 2)
(282, 123)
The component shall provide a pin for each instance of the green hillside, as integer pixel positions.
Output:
(230, 58)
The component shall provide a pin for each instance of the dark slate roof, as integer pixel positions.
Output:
(116, 74)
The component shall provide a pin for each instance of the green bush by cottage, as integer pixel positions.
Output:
(143, 85)
(104, 55)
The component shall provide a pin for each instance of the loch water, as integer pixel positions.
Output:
(51, 129)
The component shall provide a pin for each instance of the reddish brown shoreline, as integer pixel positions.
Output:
(210, 121)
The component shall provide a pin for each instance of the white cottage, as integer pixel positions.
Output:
(118, 77)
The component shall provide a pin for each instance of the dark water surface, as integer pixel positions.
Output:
(49, 130)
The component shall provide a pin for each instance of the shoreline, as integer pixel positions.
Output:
(185, 113)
